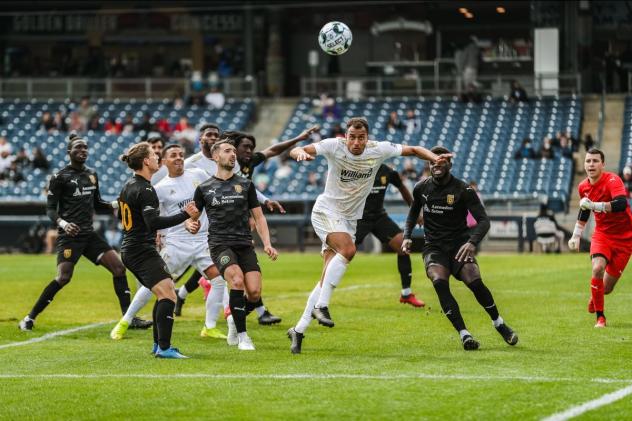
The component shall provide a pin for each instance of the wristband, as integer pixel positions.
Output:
(114, 204)
(62, 224)
(579, 229)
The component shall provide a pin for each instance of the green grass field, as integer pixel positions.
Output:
(383, 360)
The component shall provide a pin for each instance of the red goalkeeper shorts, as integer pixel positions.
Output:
(616, 252)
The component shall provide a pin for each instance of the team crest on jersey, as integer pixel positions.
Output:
(67, 253)
(238, 188)
(93, 179)
(224, 260)
(383, 180)
(450, 199)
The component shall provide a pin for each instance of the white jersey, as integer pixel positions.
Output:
(173, 195)
(159, 175)
(200, 161)
(350, 177)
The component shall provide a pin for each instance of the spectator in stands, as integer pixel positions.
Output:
(284, 169)
(467, 61)
(77, 125)
(262, 181)
(472, 95)
(94, 124)
(331, 110)
(546, 150)
(215, 98)
(46, 123)
(86, 110)
(626, 176)
(5, 145)
(337, 131)
(412, 123)
(39, 159)
(5, 160)
(573, 141)
(186, 135)
(547, 230)
(60, 121)
(394, 123)
(22, 159)
(12, 173)
(517, 93)
(566, 149)
(128, 125)
(145, 125)
(525, 150)
(112, 126)
(164, 127)
(589, 142)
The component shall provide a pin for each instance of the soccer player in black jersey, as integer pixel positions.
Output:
(229, 201)
(375, 220)
(140, 216)
(449, 247)
(73, 197)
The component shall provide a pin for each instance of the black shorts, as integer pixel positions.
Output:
(383, 227)
(444, 255)
(243, 256)
(70, 249)
(147, 266)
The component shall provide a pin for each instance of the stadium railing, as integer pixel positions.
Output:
(110, 88)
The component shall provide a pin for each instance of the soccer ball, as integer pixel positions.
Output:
(335, 38)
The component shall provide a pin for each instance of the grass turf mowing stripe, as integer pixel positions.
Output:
(52, 335)
(578, 410)
(309, 376)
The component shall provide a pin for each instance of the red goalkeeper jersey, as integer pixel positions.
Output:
(615, 225)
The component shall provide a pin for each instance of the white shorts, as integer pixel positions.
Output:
(324, 225)
(179, 256)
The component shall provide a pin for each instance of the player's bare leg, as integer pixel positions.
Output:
(597, 289)
(404, 266)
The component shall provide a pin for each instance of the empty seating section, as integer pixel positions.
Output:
(21, 128)
(626, 141)
(484, 138)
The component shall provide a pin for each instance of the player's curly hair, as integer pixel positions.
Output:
(237, 137)
(135, 155)
(71, 139)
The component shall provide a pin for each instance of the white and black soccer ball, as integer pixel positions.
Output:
(335, 38)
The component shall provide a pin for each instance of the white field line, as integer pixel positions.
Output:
(310, 376)
(52, 335)
(578, 410)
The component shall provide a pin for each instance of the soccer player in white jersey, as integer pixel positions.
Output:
(209, 134)
(353, 163)
(181, 249)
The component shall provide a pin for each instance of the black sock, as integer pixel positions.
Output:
(45, 299)
(155, 324)
(164, 320)
(122, 292)
(192, 284)
(448, 304)
(484, 297)
(237, 303)
(600, 314)
(251, 306)
(405, 270)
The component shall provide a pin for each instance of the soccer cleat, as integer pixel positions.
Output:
(297, 340)
(26, 324)
(268, 318)
(232, 338)
(322, 315)
(469, 343)
(206, 286)
(591, 306)
(170, 353)
(179, 303)
(212, 332)
(245, 343)
(138, 323)
(412, 300)
(508, 334)
(154, 349)
(118, 332)
(601, 322)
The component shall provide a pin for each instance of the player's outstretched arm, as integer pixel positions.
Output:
(151, 212)
(281, 147)
(423, 153)
(272, 205)
(413, 216)
(304, 153)
(264, 233)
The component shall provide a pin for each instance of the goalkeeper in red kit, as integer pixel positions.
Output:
(611, 244)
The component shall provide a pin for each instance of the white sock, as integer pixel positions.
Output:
(142, 297)
(225, 299)
(499, 321)
(260, 310)
(406, 292)
(306, 317)
(333, 274)
(464, 333)
(214, 301)
(182, 292)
